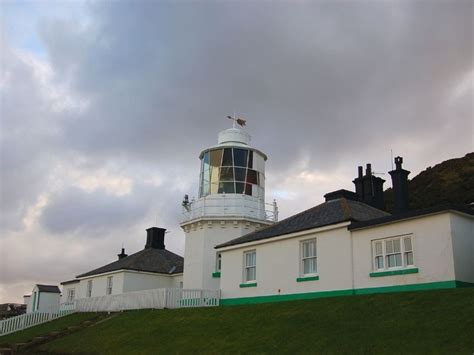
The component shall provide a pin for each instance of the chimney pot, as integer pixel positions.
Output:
(361, 172)
(368, 170)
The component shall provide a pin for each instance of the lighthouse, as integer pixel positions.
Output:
(230, 204)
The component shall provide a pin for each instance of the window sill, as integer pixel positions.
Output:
(250, 284)
(413, 270)
(307, 278)
(216, 274)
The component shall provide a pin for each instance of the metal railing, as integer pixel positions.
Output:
(27, 320)
(230, 206)
(150, 299)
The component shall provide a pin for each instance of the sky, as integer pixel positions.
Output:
(106, 105)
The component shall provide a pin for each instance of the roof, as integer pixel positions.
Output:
(410, 215)
(150, 260)
(69, 282)
(330, 212)
(48, 288)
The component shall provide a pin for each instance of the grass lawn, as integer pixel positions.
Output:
(440, 321)
(45, 328)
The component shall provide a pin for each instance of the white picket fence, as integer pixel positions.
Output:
(157, 298)
(27, 320)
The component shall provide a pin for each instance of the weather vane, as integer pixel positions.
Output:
(240, 121)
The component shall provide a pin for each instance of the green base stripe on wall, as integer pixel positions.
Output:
(308, 278)
(394, 272)
(254, 284)
(360, 291)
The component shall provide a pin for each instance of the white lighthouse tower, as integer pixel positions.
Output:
(231, 203)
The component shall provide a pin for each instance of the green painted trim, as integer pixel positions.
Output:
(281, 298)
(307, 278)
(216, 274)
(394, 272)
(407, 288)
(360, 291)
(254, 284)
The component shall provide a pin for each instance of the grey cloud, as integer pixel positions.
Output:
(77, 210)
(161, 72)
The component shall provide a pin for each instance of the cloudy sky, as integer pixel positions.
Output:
(105, 106)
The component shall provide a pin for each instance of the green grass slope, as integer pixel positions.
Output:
(45, 328)
(440, 322)
(450, 182)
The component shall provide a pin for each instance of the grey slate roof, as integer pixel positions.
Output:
(327, 213)
(48, 288)
(150, 259)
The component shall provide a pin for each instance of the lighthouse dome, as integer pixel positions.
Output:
(234, 136)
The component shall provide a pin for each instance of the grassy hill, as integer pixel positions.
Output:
(438, 322)
(450, 182)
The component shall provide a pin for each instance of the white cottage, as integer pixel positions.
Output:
(44, 298)
(345, 246)
(151, 268)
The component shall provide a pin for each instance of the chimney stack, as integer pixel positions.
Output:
(400, 187)
(122, 254)
(369, 188)
(155, 238)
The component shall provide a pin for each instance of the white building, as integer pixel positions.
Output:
(344, 246)
(231, 203)
(44, 298)
(347, 245)
(151, 268)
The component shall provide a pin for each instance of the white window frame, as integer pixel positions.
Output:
(403, 252)
(303, 258)
(71, 294)
(246, 267)
(89, 289)
(109, 285)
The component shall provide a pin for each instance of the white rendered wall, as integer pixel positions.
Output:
(178, 281)
(27, 300)
(278, 266)
(463, 247)
(432, 247)
(99, 285)
(200, 255)
(67, 287)
(138, 281)
(48, 302)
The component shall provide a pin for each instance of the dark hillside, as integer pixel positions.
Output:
(450, 182)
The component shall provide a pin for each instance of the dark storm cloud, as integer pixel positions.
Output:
(320, 72)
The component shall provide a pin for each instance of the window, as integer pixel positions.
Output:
(71, 292)
(308, 257)
(231, 171)
(392, 253)
(89, 288)
(250, 266)
(108, 290)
